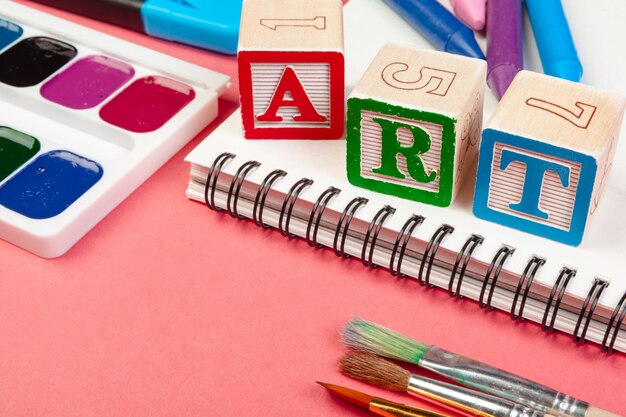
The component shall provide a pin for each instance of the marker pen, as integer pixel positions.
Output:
(208, 24)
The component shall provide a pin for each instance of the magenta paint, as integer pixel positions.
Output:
(88, 82)
(147, 104)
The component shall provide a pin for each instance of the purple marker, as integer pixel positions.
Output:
(87, 82)
(504, 44)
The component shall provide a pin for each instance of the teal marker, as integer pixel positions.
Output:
(208, 24)
(554, 39)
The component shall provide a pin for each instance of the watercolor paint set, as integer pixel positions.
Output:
(85, 118)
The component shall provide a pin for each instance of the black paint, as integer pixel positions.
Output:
(32, 60)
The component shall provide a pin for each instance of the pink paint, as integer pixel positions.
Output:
(147, 104)
(88, 82)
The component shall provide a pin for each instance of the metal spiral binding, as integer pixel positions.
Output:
(431, 252)
(501, 257)
(214, 173)
(553, 304)
(559, 287)
(347, 214)
(261, 196)
(319, 207)
(465, 255)
(529, 272)
(376, 225)
(594, 294)
(404, 236)
(618, 324)
(235, 185)
(289, 203)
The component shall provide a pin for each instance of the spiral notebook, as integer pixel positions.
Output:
(300, 187)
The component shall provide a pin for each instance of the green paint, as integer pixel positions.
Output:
(374, 338)
(15, 149)
(391, 148)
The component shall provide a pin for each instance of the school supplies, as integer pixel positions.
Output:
(414, 123)
(380, 372)
(525, 275)
(439, 26)
(472, 12)
(209, 24)
(377, 405)
(505, 56)
(291, 69)
(85, 118)
(545, 155)
(378, 340)
(554, 39)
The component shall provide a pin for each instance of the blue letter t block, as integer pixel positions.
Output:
(534, 186)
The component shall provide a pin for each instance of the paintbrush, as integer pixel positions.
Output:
(377, 405)
(371, 337)
(370, 368)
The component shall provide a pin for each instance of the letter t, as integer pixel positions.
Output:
(533, 183)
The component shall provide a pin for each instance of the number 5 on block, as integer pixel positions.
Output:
(545, 156)
(414, 123)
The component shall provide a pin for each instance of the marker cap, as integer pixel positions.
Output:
(209, 24)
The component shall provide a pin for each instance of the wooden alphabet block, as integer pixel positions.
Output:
(291, 69)
(545, 156)
(414, 123)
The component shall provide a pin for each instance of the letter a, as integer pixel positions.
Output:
(289, 83)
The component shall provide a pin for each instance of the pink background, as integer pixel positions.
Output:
(169, 309)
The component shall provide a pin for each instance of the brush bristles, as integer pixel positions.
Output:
(371, 337)
(374, 370)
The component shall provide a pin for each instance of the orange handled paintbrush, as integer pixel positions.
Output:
(378, 405)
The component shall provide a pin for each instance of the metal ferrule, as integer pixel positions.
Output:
(503, 384)
(467, 401)
(390, 409)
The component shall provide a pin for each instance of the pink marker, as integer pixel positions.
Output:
(472, 12)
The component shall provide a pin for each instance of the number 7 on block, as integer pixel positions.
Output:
(580, 117)
(542, 161)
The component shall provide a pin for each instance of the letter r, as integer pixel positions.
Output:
(391, 147)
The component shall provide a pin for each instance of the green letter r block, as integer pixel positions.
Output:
(399, 151)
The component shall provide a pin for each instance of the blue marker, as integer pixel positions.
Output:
(439, 26)
(208, 24)
(554, 39)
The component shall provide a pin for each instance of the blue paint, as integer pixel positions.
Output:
(9, 33)
(535, 170)
(588, 172)
(50, 184)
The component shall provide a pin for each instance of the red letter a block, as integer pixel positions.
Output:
(290, 84)
(291, 69)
